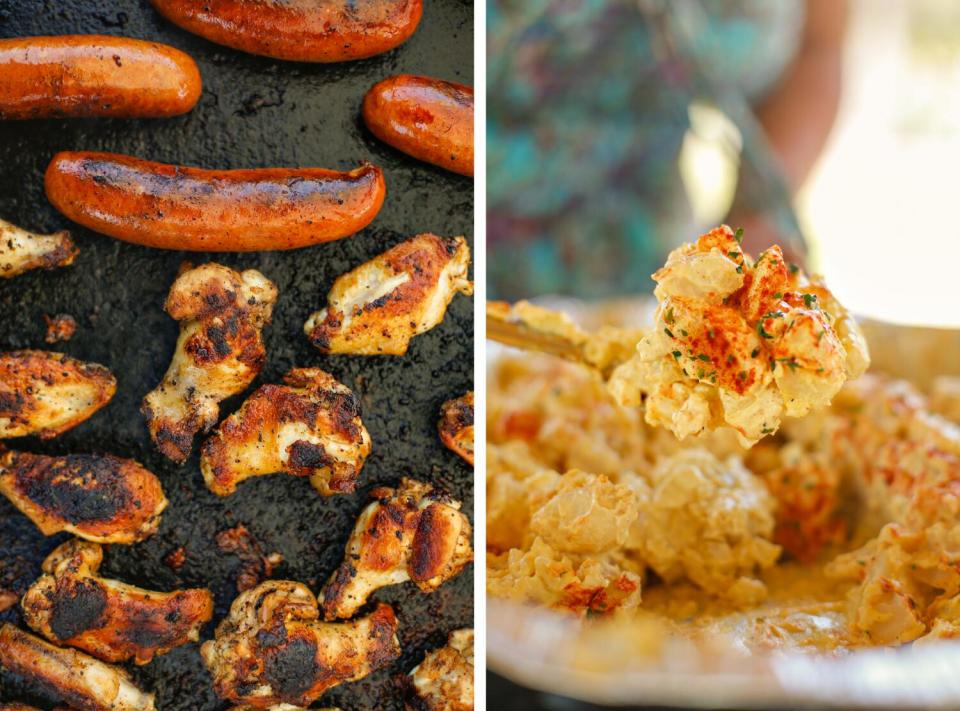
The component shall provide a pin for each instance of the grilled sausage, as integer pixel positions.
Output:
(172, 207)
(94, 75)
(299, 30)
(429, 119)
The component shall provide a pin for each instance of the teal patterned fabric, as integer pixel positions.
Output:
(587, 108)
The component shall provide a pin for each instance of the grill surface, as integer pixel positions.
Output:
(254, 112)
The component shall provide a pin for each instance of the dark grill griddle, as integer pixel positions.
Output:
(254, 112)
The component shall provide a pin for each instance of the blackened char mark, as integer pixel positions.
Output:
(78, 488)
(77, 607)
(292, 668)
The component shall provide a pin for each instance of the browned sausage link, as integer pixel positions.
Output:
(299, 30)
(427, 118)
(173, 207)
(94, 75)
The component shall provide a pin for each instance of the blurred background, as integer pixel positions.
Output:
(618, 129)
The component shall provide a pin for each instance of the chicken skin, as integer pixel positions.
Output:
(310, 426)
(411, 533)
(272, 648)
(219, 353)
(99, 498)
(443, 681)
(78, 679)
(379, 306)
(21, 251)
(111, 620)
(45, 394)
(456, 426)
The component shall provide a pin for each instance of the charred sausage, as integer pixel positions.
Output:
(94, 75)
(429, 119)
(173, 207)
(299, 30)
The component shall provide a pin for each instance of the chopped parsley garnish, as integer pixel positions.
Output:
(676, 354)
(821, 335)
(668, 332)
(733, 255)
(766, 430)
(791, 362)
(704, 357)
(809, 300)
(683, 333)
(755, 352)
(668, 317)
(740, 269)
(700, 373)
(742, 375)
(738, 235)
(778, 295)
(794, 268)
(729, 358)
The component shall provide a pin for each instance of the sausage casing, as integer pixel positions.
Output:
(429, 119)
(174, 207)
(299, 30)
(76, 76)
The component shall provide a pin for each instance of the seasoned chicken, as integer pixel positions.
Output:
(111, 620)
(21, 251)
(443, 681)
(379, 306)
(219, 353)
(272, 648)
(45, 394)
(411, 533)
(308, 427)
(456, 425)
(100, 498)
(78, 679)
(738, 343)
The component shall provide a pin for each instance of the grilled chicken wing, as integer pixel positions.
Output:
(21, 251)
(379, 306)
(272, 648)
(308, 427)
(411, 533)
(456, 425)
(45, 394)
(100, 498)
(443, 681)
(78, 679)
(219, 353)
(111, 620)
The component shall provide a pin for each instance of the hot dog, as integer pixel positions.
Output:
(299, 30)
(173, 207)
(426, 118)
(94, 75)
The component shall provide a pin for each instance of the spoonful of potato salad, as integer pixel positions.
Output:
(736, 342)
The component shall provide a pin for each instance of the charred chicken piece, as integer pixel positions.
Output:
(219, 353)
(379, 306)
(456, 426)
(100, 498)
(310, 426)
(111, 620)
(21, 251)
(443, 681)
(45, 394)
(411, 533)
(78, 679)
(273, 649)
